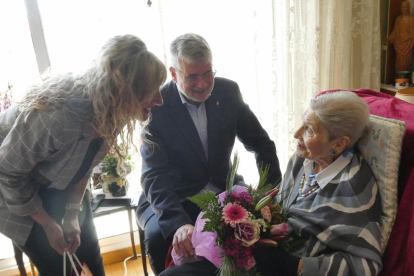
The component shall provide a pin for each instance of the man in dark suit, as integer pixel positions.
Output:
(189, 146)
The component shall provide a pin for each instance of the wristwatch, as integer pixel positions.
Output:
(74, 206)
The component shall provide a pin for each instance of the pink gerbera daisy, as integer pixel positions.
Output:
(233, 214)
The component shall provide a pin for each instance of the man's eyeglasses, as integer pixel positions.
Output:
(208, 76)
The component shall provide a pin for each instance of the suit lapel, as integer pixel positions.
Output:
(213, 111)
(182, 118)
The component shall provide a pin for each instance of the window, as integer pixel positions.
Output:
(18, 60)
(75, 30)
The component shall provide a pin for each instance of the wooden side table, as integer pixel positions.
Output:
(102, 211)
(388, 89)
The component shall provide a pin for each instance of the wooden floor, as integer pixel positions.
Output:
(134, 268)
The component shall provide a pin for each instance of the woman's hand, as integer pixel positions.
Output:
(55, 236)
(53, 231)
(71, 230)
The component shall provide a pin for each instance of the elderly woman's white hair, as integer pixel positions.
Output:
(343, 113)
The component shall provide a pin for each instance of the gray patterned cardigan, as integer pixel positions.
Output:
(48, 147)
(340, 223)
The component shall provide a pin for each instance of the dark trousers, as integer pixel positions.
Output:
(271, 261)
(45, 258)
(201, 268)
(156, 246)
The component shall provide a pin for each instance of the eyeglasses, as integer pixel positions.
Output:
(208, 76)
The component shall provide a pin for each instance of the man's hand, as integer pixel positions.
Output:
(71, 230)
(55, 237)
(182, 240)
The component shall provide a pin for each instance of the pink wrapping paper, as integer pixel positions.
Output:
(204, 242)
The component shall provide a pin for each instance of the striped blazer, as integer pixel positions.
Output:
(340, 223)
(45, 150)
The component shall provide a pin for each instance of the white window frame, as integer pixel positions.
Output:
(38, 38)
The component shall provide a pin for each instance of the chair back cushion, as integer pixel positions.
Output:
(381, 148)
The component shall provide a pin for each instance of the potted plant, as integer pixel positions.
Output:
(113, 176)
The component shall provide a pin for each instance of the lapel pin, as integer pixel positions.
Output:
(217, 103)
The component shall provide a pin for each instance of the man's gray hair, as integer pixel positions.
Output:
(343, 113)
(190, 48)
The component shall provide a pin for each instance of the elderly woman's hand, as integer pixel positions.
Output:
(71, 230)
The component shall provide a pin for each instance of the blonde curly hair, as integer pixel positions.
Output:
(110, 95)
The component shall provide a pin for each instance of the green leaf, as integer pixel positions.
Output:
(109, 166)
(228, 267)
(292, 242)
(232, 174)
(263, 176)
(203, 199)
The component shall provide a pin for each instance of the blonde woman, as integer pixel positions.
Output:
(61, 129)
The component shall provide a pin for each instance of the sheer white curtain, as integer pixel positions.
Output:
(315, 45)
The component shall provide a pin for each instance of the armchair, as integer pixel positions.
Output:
(399, 251)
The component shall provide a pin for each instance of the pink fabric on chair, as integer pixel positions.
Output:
(398, 257)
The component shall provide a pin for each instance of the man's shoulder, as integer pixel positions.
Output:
(168, 89)
(223, 82)
(226, 90)
(167, 86)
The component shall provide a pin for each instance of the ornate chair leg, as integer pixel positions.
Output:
(18, 256)
(32, 268)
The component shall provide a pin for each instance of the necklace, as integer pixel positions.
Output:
(314, 186)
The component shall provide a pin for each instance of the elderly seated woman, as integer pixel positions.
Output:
(331, 193)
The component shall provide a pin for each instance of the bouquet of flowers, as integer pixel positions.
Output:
(236, 223)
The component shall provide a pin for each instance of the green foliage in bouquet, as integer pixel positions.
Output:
(232, 174)
(209, 203)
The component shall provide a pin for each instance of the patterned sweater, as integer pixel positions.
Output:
(339, 222)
